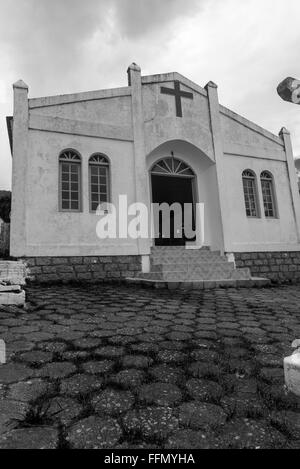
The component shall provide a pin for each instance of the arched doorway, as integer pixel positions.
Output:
(173, 182)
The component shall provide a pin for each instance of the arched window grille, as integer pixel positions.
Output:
(250, 194)
(70, 181)
(268, 193)
(98, 180)
(171, 166)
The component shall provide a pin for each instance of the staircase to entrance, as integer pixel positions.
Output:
(179, 267)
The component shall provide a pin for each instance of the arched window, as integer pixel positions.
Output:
(268, 193)
(171, 166)
(70, 181)
(250, 194)
(99, 180)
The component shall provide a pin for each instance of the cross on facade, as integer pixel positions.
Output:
(178, 95)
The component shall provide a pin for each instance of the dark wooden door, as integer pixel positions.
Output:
(172, 189)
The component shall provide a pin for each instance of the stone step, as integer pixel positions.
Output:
(253, 282)
(11, 298)
(241, 273)
(155, 260)
(181, 265)
(180, 250)
(177, 248)
(189, 259)
(196, 275)
(197, 269)
(180, 260)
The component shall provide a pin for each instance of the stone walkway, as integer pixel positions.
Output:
(123, 367)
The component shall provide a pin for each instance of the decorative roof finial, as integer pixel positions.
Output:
(134, 67)
(20, 84)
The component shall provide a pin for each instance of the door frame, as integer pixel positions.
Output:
(195, 192)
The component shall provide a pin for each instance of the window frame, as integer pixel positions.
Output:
(78, 162)
(253, 178)
(107, 166)
(172, 167)
(270, 179)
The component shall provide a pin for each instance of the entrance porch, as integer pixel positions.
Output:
(178, 267)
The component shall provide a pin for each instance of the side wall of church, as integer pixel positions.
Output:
(251, 148)
(259, 234)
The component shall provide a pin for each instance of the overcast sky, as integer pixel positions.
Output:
(63, 46)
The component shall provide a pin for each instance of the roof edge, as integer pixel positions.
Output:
(71, 98)
(251, 125)
(172, 76)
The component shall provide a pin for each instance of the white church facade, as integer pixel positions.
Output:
(160, 139)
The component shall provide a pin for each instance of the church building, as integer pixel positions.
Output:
(161, 138)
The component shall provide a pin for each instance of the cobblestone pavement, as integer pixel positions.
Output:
(121, 367)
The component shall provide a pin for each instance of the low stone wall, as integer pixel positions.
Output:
(81, 269)
(279, 267)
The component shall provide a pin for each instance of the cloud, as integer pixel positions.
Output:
(60, 46)
(64, 46)
(137, 18)
(43, 37)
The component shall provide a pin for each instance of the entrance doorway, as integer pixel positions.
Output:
(172, 182)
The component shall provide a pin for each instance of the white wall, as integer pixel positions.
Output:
(247, 146)
(189, 138)
(259, 234)
(50, 232)
(115, 111)
(161, 123)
